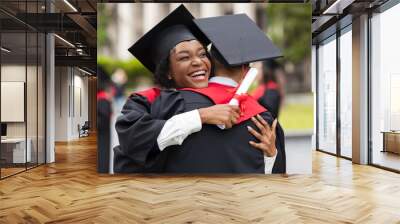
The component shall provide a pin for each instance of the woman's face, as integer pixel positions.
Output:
(189, 65)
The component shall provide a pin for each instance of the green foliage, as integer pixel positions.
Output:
(133, 68)
(103, 18)
(289, 26)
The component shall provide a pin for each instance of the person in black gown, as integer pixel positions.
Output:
(213, 150)
(137, 129)
(269, 93)
(104, 111)
(194, 156)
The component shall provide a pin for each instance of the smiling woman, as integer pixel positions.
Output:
(175, 53)
(190, 66)
(187, 65)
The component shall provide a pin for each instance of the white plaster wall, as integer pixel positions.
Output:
(79, 117)
(70, 83)
(61, 103)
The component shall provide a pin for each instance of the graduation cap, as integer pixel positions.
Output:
(238, 39)
(156, 44)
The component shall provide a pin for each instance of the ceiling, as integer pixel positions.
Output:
(74, 21)
(327, 13)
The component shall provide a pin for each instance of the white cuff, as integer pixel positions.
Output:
(178, 127)
(269, 163)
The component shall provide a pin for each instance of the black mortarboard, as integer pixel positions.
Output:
(156, 44)
(238, 39)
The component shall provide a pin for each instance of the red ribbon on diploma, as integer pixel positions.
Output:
(241, 98)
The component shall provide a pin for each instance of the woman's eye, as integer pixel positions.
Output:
(183, 58)
(203, 54)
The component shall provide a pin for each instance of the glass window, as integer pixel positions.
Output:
(346, 93)
(327, 95)
(22, 90)
(15, 150)
(385, 89)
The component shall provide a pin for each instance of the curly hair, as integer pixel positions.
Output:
(161, 74)
(162, 70)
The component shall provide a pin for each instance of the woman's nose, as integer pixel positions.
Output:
(196, 61)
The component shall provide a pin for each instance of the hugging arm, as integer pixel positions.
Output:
(270, 135)
(145, 129)
(137, 133)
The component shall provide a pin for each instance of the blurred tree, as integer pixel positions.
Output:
(133, 68)
(103, 19)
(290, 29)
(289, 26)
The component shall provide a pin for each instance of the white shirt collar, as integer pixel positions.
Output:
(223, 80)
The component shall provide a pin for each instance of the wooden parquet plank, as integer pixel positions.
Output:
(70, 191)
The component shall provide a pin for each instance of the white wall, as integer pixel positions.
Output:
(61, 103)
(71, 94)
(80, 96)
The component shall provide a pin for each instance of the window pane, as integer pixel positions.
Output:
(14, 153)
(327, 96)
(345, 94)
(385, 85)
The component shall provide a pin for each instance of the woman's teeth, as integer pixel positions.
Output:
(199, 75)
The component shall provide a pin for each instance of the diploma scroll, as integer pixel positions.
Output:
(243, 88)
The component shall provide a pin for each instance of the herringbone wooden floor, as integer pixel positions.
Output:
(70, 191)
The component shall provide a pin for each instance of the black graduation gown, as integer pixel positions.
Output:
(271, 100)
(213, 150)
(103, 134)
(137, 133)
